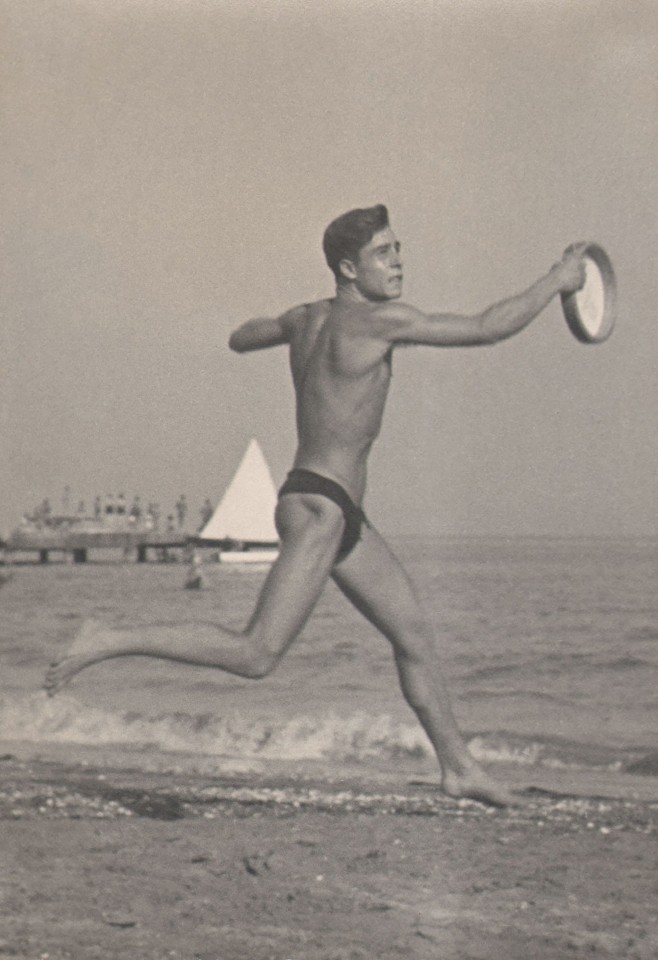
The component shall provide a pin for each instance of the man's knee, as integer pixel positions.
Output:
(415, 651)
(413, 638)
(261, 661)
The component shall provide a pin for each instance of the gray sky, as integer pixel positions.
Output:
(168, 168)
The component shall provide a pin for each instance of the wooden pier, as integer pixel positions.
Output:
(76, 545)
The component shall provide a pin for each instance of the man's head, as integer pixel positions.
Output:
(361, 249)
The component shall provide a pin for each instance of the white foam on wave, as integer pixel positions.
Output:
(486, 750)
(359, 737)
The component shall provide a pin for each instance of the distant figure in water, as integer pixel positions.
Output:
(194, 578)
(340, 355)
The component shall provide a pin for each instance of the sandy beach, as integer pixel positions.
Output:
(104, 861)
(151, 812)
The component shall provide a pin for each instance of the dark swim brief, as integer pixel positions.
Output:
(306, 481)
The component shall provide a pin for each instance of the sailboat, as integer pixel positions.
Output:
(242, 525)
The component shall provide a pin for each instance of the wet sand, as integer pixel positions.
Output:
(106, 861)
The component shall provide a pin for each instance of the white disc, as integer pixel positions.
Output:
(591, 311)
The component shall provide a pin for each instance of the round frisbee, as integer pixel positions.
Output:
(591, 311)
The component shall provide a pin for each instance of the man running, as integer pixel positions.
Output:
(340, 356)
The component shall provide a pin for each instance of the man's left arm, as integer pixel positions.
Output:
(405, 324)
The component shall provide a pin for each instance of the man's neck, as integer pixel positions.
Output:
(349, 293)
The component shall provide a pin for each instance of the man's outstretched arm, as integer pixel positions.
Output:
(262, 333)
(497, 322)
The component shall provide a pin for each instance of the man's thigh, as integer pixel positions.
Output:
(377, 584)
(310, 534)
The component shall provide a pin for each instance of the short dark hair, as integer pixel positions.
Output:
(347, 234)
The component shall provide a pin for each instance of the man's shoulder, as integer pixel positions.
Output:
(373, 310)
(319, 308)
(395, 310)
(304, 311)
(384, 320)
(390, 318)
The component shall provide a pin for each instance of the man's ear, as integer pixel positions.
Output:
(347, 269)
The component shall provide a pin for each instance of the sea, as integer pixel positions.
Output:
(549, 647)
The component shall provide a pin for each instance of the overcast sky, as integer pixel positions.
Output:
(169, 166)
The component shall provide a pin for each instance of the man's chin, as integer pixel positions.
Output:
(386, 297)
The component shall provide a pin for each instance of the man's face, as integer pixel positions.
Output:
(378, 267)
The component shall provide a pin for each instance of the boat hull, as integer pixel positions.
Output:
(237, 557)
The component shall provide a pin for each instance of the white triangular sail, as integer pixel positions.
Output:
(246, 511)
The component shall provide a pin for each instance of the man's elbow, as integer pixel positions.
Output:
(490, 337)
(236, 342)
(485, 332)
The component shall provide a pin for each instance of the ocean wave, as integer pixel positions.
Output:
(646, 765)
(557, 663)
(507, 694)
(496, 670)
(644, 633)
(625, 662)
(360, 737)
(552, 752)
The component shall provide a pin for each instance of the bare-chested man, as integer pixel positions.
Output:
(340, 355)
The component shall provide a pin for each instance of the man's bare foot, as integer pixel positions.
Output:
(475, 784)
(84, 651)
